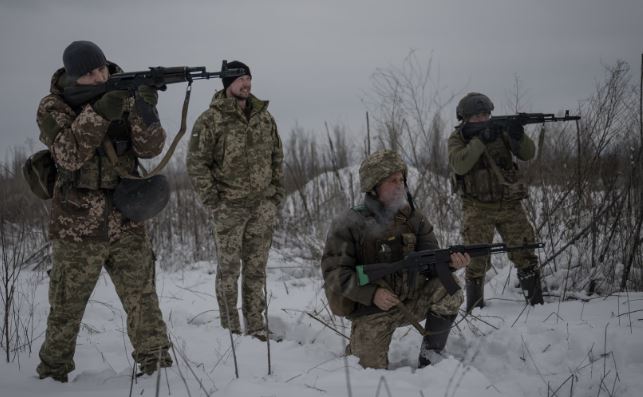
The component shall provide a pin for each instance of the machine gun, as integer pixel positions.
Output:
(502, 123)
(158, 77)
(434, 263)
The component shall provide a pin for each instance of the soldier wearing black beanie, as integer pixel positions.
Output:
(235, 65)
(81, 57)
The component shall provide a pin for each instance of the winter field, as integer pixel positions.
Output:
(589, 346)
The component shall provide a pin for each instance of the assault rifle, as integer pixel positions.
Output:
(501, 123)
(531, 118)
(158, 77)
(434, 263)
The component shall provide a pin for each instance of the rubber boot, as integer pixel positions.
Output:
(438, 327)
(475, 293)
(530, 284)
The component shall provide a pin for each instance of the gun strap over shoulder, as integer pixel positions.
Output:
(494, 168)
(113, 158)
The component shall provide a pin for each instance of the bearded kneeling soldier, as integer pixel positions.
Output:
(385, 228)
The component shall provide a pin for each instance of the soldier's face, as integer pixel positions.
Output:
(95, 77)
(240, 87)
(390, 192)
(479, 118)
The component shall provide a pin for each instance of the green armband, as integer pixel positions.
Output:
(362, 278)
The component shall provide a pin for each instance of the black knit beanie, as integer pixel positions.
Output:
(81, 57)
(235, 65)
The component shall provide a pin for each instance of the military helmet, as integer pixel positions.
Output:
(378, 166)
(473, 103)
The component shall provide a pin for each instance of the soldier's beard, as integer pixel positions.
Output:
(396, 201)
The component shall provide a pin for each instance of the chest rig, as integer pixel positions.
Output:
(495, 177)
(383, 243)
(99, 172)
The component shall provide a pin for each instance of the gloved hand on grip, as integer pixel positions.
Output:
(110, 105)
(149, 95)
(488, 135)
(146, 100)
(515, 131)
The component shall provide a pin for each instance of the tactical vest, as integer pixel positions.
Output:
(379, 245)
(98, 172)
(487, 182)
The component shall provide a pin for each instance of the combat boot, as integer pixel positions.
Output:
(59, 375)
(438, 327)
(475, 293)
(150, 363)
(530, 284)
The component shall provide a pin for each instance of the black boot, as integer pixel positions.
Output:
(438, 327)
(475, 293)
(530, 284)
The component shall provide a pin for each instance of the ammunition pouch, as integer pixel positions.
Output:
(488, 185)
(141, 199)
(40, 173)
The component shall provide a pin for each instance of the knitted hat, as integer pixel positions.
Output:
(235, 65)
(81, 57)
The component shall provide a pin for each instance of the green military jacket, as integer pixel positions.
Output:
(82, 202)
(235, 156)
(474, 178)
(364, 235)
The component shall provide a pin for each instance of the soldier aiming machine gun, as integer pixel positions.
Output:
(434, 263)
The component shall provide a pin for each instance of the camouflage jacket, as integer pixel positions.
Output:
(236, 157)
(365, 234)
(82, 203)
(474, 179)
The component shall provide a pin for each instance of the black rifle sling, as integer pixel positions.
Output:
(113, 158)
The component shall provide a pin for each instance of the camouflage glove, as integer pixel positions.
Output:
(515, 131)
(149, 94)
(110, 105)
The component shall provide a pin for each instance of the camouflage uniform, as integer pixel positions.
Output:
(488, 204)
(370, 234)
(87, 232)
(235, 163)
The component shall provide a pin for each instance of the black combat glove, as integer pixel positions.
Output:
(111, 104)
(149, 94)
(488, 135)
(515, 131)
(471, 130)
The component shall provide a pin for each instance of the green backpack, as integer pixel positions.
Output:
(40, 173)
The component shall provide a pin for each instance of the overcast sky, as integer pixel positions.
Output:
(314, 60)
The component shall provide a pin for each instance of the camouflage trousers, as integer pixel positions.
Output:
(371, 334)
(480, 222)
(129, 262)
(243, 236)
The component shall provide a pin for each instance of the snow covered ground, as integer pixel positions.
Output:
(589, 347)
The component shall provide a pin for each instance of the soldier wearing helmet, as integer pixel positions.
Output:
(385, 228)
(488, 180)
